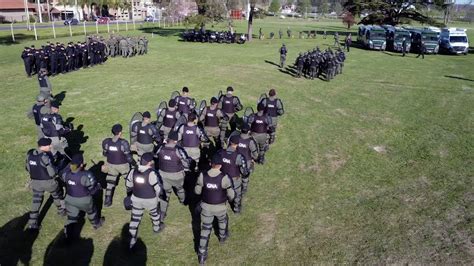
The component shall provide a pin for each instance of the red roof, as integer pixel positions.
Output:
(15, 4)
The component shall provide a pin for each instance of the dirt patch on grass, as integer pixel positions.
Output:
(335, 161)
(267, 227)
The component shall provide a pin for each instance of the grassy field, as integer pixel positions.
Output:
(324, 195)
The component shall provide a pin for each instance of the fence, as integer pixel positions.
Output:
(57, 29)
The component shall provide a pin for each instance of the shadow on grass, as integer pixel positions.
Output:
(78, 251)
(16, 242)
(456, 77)
(118, 252)
(272, 63)
(162, 32)
(75, 138)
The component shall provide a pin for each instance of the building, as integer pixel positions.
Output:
(14, 10)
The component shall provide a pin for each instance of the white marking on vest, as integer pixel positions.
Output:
(190, 132)
(142, 131)
(241, 145)
(259, 121)
(45, 119)
(168, 158)
(211, 186)
(271, 105)
(182, 103)
(32, 162)
(227, 102)
(140, 180)
(113, 148)
(225, 160)
(169, 116)
(209, 114)
(72, 183)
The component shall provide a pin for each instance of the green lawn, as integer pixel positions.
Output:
(324, 195)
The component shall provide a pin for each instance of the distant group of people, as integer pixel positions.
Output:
(208, 143)
(314, 63)
(58, 58)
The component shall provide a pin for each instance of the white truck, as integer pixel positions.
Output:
(454, 41)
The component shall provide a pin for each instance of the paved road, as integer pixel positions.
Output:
(59, 24)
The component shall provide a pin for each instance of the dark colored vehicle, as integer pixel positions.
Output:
(395, 36)
(429, 37)
(71, 21)
(212, 36)
(150, 19)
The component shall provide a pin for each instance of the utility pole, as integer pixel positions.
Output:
(27, 13)
(39, 11)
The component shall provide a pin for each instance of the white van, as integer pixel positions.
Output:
(454, 41)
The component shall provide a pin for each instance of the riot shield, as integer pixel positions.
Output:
(175, 94)
(201, 107)
(247, 113)
(162, 106)
(192, 104)
(136, 118)
(235, 133)
(262, 96)
(181, 121)
(219, 95)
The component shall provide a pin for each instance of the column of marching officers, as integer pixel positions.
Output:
(186, 139)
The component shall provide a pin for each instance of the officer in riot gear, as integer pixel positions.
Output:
(144, 187)
(39, 164)
(215, 189)
(119, 158)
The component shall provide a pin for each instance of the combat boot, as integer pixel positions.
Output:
(202, 258)
(98, 223)
(108, 198)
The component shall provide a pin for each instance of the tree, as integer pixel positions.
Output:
(348, 19)
(303, 6)
(274, 6)
(392, 12)
(250, 23)
(323, 7)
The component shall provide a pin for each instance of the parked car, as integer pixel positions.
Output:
(103, 20)
(150, 19)
(71, 21)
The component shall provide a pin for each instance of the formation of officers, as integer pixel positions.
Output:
(314, 63)
(209, 142)
(58, 58)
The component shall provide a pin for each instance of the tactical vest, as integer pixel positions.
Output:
(48, 127)
(229, 165)
(190, 137)
(37, 171)
(143, 137)
(271, 108)
(170, 118)
(212, 191)
(141, 185)
(211, 118)
(244, 148)
(228, 105)
(259, 125)
(168, 160)
(115, 155)
(42, 81)
(36, 113)
(74, 187)
(183, 104)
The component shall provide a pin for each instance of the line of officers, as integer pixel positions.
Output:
(314, 63)
(58, 58)
(167, 150)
